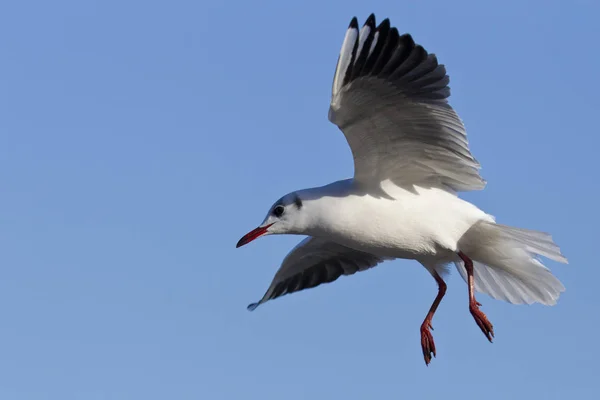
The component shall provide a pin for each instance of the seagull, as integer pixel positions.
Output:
(411, 158)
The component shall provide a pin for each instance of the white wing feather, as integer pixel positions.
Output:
(389, 98)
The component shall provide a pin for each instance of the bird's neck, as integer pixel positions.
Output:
(324, 206)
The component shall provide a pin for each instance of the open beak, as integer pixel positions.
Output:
(253, 234)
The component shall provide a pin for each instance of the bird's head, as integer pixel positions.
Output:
(285, 216)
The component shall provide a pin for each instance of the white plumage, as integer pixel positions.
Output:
(411, 156)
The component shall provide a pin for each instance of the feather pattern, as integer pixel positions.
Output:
(314, 262)
(389, 98)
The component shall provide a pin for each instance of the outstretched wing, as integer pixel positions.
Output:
(389, 98)
(314, 262)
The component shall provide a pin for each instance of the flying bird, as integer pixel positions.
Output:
(411, 158)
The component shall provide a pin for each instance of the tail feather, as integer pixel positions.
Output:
(506, 264)
(536, 242)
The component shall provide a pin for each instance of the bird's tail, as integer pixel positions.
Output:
(506, 264)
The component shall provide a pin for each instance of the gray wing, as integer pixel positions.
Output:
(389, 98)
(314, 262)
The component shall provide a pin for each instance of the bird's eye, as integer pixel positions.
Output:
(278, 211)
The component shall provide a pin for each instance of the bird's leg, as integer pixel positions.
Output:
(480, 318)
(427, 343)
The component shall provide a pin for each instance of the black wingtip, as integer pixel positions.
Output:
(252, 307)
(371, 21)
(384, 25)
(408, 40)
(353, 23)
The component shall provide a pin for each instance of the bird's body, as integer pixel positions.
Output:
(411, 157)
(418, 223)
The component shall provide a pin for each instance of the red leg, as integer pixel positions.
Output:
(480, 318)
(427, 343)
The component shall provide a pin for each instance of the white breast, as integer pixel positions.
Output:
(399, 223)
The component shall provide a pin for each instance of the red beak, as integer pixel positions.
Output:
(253, 234)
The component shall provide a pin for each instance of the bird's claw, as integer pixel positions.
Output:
(482, 321)
(427, 343)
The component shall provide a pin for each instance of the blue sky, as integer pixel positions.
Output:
(141, 139)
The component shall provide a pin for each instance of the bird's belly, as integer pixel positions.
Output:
(411, 225)
(387, 232)
(395, 243)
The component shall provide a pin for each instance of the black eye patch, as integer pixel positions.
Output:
(278, 211)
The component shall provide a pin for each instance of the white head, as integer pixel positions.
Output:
(287, 215)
